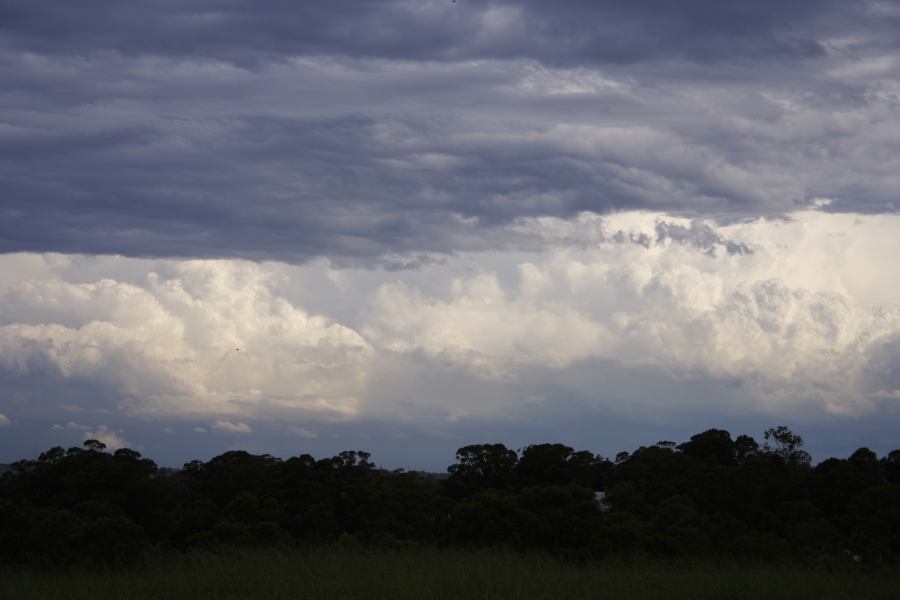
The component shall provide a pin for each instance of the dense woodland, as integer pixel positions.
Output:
(711, 496)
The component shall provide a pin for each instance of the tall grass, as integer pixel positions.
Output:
(429, 574)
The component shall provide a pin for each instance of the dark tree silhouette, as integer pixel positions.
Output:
(94, 446)
(787, 446)
(710, 495)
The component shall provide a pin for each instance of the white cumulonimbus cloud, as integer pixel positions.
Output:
(798, 311)
(209, 338)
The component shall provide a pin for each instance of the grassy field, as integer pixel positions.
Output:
(331, 574)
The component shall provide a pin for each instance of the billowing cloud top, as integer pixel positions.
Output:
(634, 316)
(361, 129)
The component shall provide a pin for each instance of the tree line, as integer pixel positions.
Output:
(712, 495)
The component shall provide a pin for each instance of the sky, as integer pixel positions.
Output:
(404, 226)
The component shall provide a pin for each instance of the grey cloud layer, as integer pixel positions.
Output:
(569, 31)
(369, 130)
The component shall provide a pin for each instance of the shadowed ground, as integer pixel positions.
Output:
(347, 573)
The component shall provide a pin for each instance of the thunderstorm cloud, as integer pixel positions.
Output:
(417, 223)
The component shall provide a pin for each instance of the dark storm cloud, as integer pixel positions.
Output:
(360, 129)
(569, 31)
